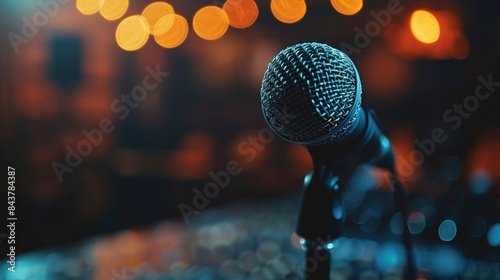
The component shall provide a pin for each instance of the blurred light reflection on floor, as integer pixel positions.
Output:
(246, 241)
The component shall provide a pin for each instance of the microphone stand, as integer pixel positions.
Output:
(320, 219)
(321, 201)
(320, 215)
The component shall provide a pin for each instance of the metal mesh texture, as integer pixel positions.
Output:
(309, 94)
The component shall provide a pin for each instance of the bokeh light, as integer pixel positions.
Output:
(361, 215)
(347, 7)
(416, 223)
(447, 230)
(113, 9)
(241, 13)
(288, 11)
(210, 22)
(452, 43)
(132, 33)
(307, 179)
(355, 191)
(159, 16)
(483, 160)
(421, 255)
(164, 24)
(494, 235)
(88, 7)
(445, 262)
(389, 257)
(350, 248)
(175, 35)
(425, 27)
(480, 182)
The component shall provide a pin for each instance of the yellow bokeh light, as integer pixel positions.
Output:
(113, 9)
(288, 11)
(156, 11)
(210, 23)
(132, 33)
(347, 7)
(241, 13)
(425, 27)
(175, 35)
(88, 7)
(164, 24)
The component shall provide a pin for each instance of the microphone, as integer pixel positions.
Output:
(320, 87)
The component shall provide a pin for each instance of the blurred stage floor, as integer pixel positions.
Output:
(243, 240)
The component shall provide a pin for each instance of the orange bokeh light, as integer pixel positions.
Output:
(451, 44)
(132, 33)
(155, 12)
(484, 155)
(402, 138)
(241, 13)
(175, 35)
(113, 9)
(288, 11)
(89, 7)
(425, 26)
(164, 24)
(347, 7)
(210, 22)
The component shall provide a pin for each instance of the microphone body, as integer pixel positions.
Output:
(321, 88)
(366, 145)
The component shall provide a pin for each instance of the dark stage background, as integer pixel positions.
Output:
(64, 87)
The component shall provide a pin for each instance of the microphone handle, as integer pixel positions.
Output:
(365, 144)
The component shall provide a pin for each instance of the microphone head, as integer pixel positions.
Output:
(311, 94)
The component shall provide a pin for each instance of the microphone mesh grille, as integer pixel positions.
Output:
(308, 93)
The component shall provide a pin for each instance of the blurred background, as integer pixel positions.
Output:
(114, 113)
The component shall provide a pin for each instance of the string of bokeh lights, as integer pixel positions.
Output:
(170, 30)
